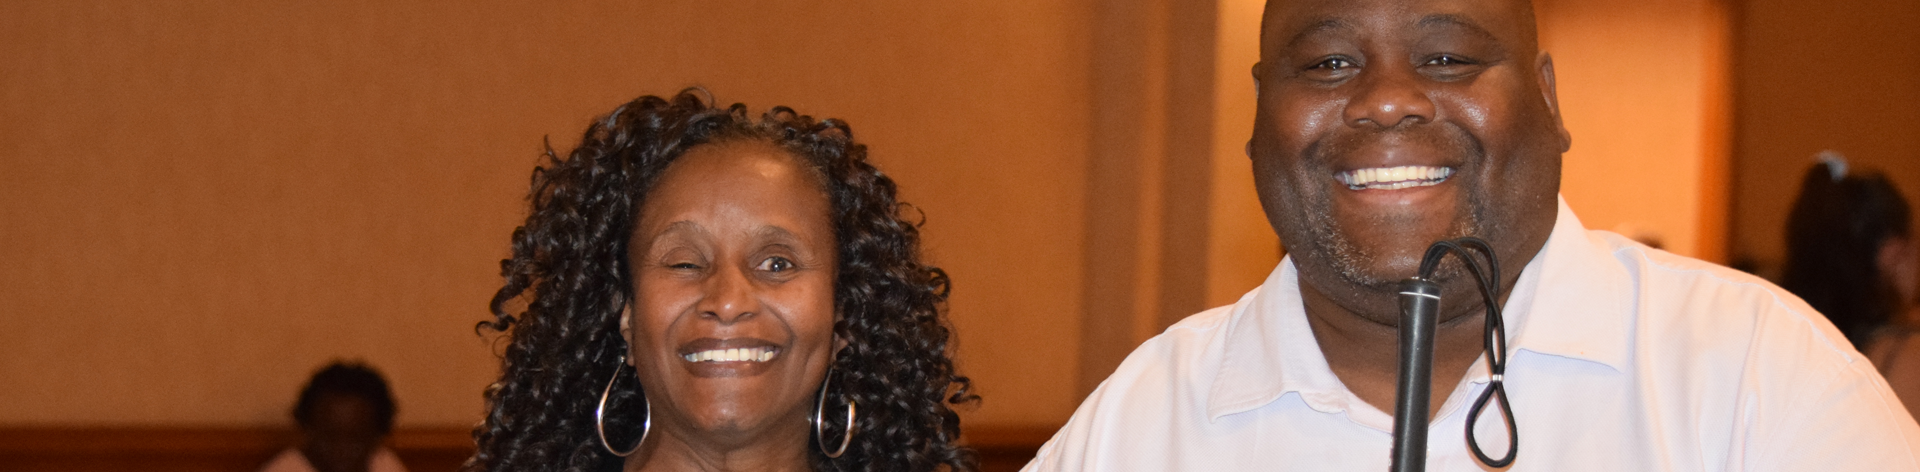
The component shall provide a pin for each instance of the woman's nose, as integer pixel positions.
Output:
(1386, 97)
(729, 296)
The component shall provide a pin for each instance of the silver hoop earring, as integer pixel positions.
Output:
(600, 415)
(819, 410)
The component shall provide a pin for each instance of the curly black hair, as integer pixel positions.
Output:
(352, 379)
(570, 270)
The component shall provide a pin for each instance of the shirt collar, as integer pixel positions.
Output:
(1571, 301)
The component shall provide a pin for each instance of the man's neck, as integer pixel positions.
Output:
(1364, 353)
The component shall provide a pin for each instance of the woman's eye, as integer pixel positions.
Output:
(776, 264)
(683, 265)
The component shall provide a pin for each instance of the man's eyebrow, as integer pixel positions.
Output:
(1319, 26)
(1431, 21)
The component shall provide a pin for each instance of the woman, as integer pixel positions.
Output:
(1851, 255)
(701, 290)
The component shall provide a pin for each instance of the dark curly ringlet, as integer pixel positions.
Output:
(569, 267)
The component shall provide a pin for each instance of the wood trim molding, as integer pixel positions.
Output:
(243, 449)
(194, 440)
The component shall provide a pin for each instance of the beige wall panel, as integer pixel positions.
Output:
(1243, 248)
(206, 200)
(1637, 90)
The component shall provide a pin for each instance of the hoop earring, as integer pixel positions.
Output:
(600, 415)
(819, 410)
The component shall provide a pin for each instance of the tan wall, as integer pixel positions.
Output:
(203, 201)
(1815, 76)
(1242, 248)
(1643, 91)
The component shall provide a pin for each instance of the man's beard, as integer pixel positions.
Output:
(1354, 263)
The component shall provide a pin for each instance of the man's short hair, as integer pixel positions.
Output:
(351, 379)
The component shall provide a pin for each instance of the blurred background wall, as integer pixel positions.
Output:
(203, 201)
(1812, 76)
(206, 200)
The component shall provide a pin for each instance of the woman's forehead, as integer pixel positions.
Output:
(752, 181)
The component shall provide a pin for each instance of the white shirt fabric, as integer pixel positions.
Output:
(1626, 358)
(291, 460)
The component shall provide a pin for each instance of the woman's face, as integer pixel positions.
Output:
(1899, 261)
(731, 327)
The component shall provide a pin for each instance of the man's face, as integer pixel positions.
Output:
(1387, 125)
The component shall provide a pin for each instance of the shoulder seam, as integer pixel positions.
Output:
(1772, 293)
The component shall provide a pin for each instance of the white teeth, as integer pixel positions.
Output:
(1393, 178)
(739, 354)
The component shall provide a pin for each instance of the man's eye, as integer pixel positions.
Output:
(1448, 61)
(1336, 63)
(776, 264)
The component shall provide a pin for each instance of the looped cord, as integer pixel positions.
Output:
(1495, 341)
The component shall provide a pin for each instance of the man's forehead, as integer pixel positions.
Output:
(1508, 20)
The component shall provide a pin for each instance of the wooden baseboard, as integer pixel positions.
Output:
(184, 449)
(1006, 449)
(70, 449)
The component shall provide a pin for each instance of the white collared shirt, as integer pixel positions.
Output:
(1625, 358)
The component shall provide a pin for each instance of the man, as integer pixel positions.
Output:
(1384, 126)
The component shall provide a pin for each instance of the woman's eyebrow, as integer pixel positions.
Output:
(772, 232)
(679, 227)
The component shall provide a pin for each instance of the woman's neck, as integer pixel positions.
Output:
(783, 451)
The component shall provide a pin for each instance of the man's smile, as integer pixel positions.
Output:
(1393, 178)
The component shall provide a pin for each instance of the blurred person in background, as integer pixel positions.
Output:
(345, 414)
(1851, 255)
(698, 289)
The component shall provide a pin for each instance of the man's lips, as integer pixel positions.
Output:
(1393, 178)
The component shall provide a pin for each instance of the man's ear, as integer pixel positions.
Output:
(1258, 67)
(626, 328)
(1551, 93)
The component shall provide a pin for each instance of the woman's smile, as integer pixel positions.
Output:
(737, 357)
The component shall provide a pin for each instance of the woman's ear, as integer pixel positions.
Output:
(626, 328)
(839, 343)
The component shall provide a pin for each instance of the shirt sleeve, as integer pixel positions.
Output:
(1071, 449)
(1810, 402)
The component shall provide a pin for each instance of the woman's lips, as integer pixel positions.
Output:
(1393, 178)
(737, 357)
(738, 354)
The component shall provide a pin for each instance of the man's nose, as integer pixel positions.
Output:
(729, 296)
(1387, 97)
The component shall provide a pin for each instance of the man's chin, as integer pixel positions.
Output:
(1378, 278)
